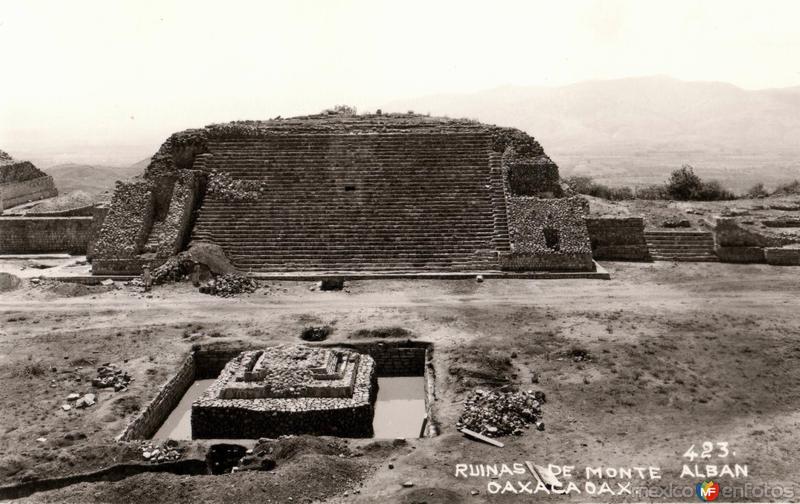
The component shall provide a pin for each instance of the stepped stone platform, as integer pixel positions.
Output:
(372, 194)
(21, 182)
(689, 246)
(365, 202)
(289, 390)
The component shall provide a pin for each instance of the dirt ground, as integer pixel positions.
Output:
(678, 354)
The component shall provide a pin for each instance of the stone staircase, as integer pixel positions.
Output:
(359, 202)
(690, 246)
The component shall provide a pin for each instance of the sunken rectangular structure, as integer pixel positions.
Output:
(289, 390)
(342, 193)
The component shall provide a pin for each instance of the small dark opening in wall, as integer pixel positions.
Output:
(349, 187)
(551, 238)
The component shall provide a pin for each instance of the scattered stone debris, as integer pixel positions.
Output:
(108, 376)
(579, 355)
(316, 333)
(500, 413)
(676, 223)
(229, 285)
(332, 284)
(86, 401)
(408, 484)
(155, 453)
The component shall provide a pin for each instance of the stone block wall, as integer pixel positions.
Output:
(125, 229)
(216, 423)
(529, 221)
(17, 193)
(782, 256)
(618, 238)
(148, 421)
(39, 235)
(740, 254)
(739, 243)
(99, 213)
(393, 358)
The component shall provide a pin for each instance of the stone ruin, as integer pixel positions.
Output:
(289, 390)
(341, 193)
(21, 182)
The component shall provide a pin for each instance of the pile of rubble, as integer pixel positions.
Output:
(174, 269)
(167, 451)
(229, 285)
(500, 413)
(223, 186)
(80, 401)
(109, 375)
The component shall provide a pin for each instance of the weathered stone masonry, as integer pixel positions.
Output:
(548, 234)
(382, 192)
(38, 235)
(618, 238)
(332, 392)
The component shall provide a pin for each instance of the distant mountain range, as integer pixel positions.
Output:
(634, 131)
(647, 113)
(92, 178)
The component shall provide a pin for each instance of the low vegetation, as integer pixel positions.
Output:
(682, 185)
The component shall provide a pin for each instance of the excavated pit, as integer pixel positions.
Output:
(399, 404)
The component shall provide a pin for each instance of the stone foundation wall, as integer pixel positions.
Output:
(393, 358)
(620, 239)
(17, 193)
(148, 421)
(238, 423)
(740, 254)
(547, 262)
(782, 256)
(39, 235)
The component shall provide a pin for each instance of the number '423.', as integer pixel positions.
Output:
(707, 451)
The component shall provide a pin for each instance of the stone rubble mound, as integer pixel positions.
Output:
(500, 413)
(110, 376)
(229, 285)
(167, 451)
(174, 269)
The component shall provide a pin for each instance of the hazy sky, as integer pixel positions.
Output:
(85, 78)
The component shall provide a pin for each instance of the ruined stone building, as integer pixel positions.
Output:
(347, 193)
(21, 182)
